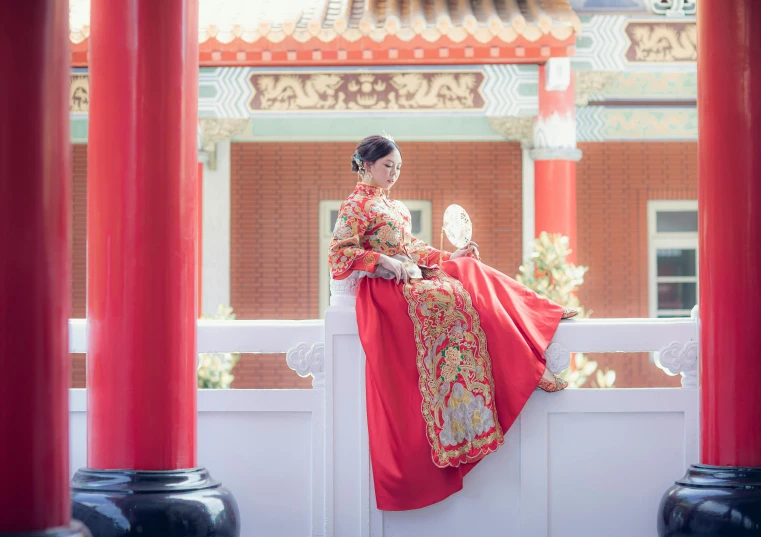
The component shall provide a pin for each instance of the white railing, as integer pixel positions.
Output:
(578, 462)
(267, 446)
(675, 341)
(232, 336)
(298, 460)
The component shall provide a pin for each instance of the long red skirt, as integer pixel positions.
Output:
(419, 454)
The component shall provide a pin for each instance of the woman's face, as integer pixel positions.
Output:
(384, 172)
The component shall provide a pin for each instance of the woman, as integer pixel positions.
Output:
(454, 348)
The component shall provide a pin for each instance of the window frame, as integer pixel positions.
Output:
(669, 240)
(325, 236)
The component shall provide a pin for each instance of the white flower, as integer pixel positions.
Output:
(343, 232)
(481, 418)
(458, 417)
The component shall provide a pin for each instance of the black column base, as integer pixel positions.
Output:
(179, 503)
(713, 501)
(76, 529)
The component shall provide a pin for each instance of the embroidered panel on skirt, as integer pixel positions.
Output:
(455, 371)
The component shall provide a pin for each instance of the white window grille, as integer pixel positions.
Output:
(673, 258)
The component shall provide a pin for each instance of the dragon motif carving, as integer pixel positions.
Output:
(79, 93)
(366, 91)
(664, 42)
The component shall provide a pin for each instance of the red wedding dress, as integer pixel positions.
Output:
(452, 357)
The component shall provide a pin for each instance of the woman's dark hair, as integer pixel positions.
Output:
(371, 149)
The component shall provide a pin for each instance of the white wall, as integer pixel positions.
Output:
(262, 445)
(527, 203)
(215, 256)
(578, 462)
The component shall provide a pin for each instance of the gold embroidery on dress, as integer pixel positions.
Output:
(369, 221)
(455, 373)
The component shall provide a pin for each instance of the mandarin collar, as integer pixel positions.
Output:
(371, 190)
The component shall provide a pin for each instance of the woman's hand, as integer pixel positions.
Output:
(395, 266)
(471, 250)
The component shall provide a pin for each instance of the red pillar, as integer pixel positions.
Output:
(35, 268)
(729, 174)
(555, 155)
(722, 495)
(142, 188)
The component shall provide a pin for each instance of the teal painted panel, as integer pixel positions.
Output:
(584, 43)
(78, 130)
(529, 89)
(410, 128)
(207, 91)
(339, 129)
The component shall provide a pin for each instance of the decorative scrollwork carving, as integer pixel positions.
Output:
(520, 129)
(593, 83)
(344, 292)
(681, 358)
(306, 361)
(558, 358)
(214, 131)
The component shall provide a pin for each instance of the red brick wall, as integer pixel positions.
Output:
(614, 183)
(267, 371)
(78, 252)
(276, 189)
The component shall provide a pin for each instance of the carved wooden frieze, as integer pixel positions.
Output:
(515, 129)
(347, 91)
(662, 42)
(79, 93)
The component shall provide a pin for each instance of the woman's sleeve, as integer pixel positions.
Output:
(346, 252)
(426, 255)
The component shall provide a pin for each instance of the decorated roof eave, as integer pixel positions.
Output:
(368, 51)
(362, 32)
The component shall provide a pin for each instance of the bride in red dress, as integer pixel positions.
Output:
(454, 348)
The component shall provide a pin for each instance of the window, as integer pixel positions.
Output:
(673, 258)
(421, 228)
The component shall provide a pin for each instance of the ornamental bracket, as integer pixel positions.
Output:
(214, 131)
(514, 128)
(593, 83)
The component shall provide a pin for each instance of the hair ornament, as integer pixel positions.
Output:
(388, 137)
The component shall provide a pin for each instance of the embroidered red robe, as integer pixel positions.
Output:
(452, 357)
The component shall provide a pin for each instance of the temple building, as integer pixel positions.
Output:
(600, 145)
(158, 197)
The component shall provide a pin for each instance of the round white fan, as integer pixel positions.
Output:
(457, 226)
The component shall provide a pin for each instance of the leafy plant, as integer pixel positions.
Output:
(215, 369)
(548, 273)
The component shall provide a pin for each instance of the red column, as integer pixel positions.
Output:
(35, 269)
(729, 175)
(141, 304)
(555, 156)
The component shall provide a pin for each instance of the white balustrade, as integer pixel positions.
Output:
(578, 455)
(343, 293)
(298, 460)
(232, 336)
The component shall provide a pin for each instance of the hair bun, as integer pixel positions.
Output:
(370, 150)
